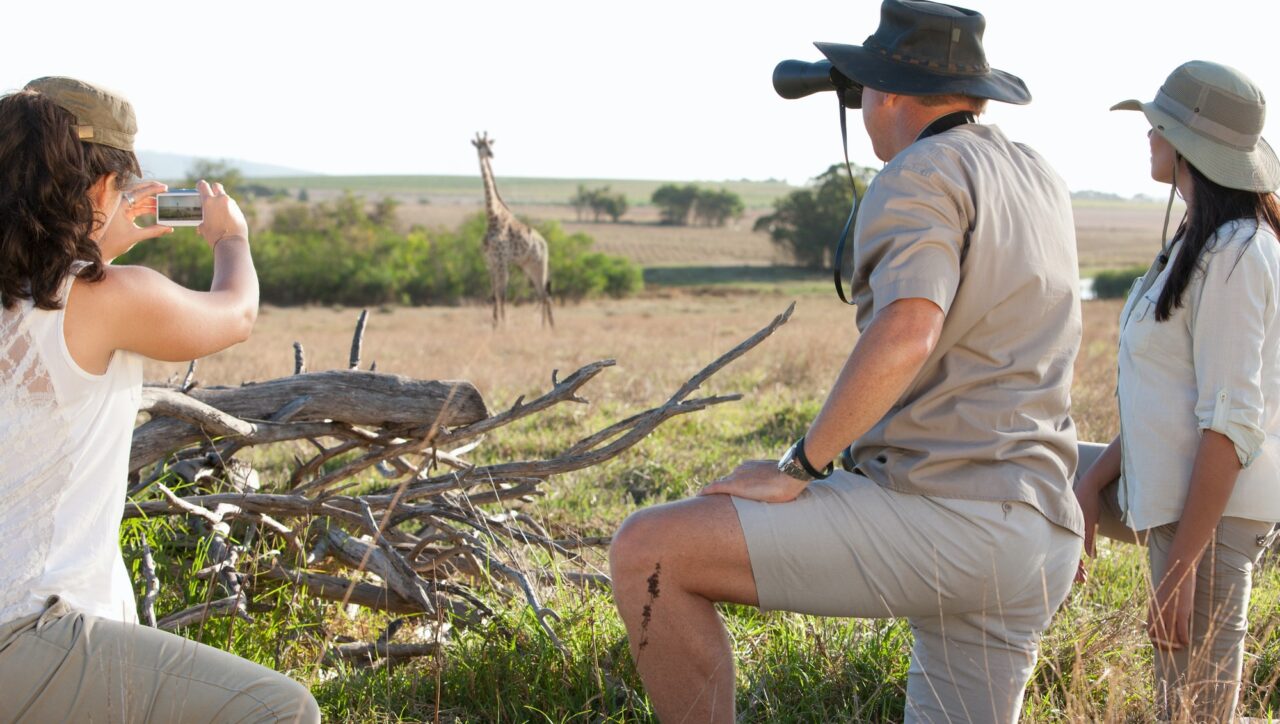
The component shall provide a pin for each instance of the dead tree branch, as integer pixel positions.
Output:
(436, 541)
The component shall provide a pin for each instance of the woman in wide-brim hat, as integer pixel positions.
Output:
(1195, 472)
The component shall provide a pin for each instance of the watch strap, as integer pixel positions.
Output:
(808, 466)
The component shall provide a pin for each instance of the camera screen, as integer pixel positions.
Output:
(179, 207)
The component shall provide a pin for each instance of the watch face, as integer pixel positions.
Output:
(791, 466)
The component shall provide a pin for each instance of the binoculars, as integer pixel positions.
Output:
(797, 79)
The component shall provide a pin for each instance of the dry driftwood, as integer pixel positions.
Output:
(433, 541)
(347, 397)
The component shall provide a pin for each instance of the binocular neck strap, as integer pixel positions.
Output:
(944, 123)
(853, 211)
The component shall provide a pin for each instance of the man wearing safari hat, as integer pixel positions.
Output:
(958, 512)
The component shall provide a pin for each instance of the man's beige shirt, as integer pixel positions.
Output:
(982, 227)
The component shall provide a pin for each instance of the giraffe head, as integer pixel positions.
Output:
(484, 145)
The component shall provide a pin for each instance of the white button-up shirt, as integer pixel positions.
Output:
(1213, 365)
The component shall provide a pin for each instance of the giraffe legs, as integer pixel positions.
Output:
(498, 280)
(536, 270)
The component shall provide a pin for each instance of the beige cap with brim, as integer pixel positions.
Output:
(101, 116)
(1213, 115)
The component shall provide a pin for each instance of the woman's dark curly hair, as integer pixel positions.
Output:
(46, 216)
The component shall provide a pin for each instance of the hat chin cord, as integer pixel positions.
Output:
(1168, 210)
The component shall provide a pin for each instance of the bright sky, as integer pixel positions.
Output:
(590, 89)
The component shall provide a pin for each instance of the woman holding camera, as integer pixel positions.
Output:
(1195, 472)
(74, 330)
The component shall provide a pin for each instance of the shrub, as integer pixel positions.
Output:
(1115, 283)
(340, 253)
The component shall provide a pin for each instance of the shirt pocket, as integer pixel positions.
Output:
(1141, 327)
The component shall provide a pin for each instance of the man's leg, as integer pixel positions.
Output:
(974, 666)
(845, 547)
(669, 565)
(71, 667)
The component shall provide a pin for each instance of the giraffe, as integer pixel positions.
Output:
(508, 240)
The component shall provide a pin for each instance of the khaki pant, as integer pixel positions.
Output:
(978, 580)
(64, 666)
(1201, 682)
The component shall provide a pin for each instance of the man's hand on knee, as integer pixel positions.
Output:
(757, 480)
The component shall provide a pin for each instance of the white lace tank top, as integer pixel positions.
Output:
(64, 456)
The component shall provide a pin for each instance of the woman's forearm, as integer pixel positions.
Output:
(235, 279)
(1213, 477)
(1104, 470)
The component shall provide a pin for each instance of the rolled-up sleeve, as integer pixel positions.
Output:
(911, 237)
(1229, 324)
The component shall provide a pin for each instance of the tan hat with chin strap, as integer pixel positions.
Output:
(101, 116)
(1213, 115)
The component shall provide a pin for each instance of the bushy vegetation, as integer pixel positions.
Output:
(599, 202)
(806, 223)
(1115, 283)
(342, 252)
(687, 203)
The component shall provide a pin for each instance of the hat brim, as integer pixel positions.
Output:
(873, 70)
(1255, 170)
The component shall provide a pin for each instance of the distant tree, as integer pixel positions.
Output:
(303, 196)
(805, 223)
(715, 208)
(675, 202)
(581, 201)
(229, 176)
(600, 202)
(613, 205)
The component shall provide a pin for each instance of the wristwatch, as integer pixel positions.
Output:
(794, 464)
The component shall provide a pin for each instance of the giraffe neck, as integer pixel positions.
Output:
(492, 202)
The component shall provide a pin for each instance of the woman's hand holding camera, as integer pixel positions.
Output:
(122, 231)
(222, 215)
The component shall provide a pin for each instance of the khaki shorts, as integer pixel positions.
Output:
(64, 666)
(979, 581)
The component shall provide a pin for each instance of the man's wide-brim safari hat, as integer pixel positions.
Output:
(925, 48)
(1213, 115)
(101, 116)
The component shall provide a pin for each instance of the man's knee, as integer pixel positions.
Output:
(289, 701)
(638, 544)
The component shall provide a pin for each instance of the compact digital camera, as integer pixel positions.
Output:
(180, 207)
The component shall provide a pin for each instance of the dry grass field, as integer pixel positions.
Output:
(656, 338)
(659, 339)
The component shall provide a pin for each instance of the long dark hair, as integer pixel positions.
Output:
(1212, 206)
(46, 216)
